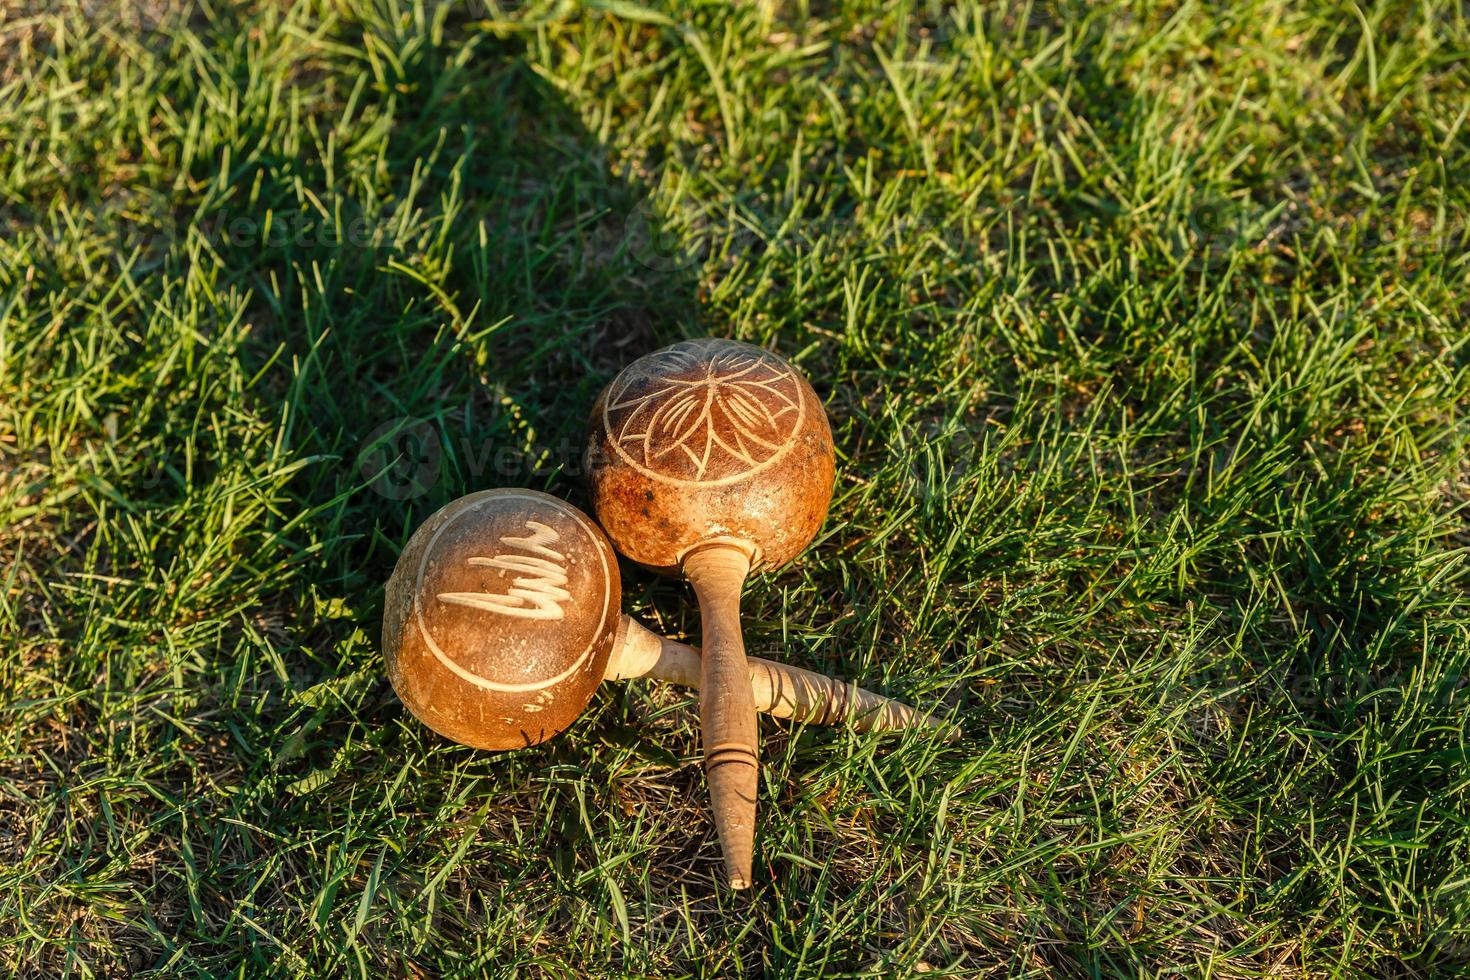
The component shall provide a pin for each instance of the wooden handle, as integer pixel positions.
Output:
(780, 690)
(726, 703)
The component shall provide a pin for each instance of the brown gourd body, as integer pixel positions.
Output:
(704, 440)
(500, 617)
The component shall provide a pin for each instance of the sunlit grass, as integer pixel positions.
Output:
(1142, 330)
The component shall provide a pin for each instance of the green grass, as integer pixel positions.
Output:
(1143, 333)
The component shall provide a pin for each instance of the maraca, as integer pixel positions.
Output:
(712, 458)
(503, 615)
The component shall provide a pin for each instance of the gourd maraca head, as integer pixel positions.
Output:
(709, 439)
(499, 618)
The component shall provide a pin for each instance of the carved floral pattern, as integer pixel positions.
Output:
(697, 414)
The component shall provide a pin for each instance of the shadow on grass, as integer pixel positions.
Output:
(436, 316)
(370, 266)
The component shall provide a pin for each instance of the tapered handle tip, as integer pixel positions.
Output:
(734, 778)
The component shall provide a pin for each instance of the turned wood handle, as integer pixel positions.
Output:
(784, 691)
(727, 704)
(780, 690)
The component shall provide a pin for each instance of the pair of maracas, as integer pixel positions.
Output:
(709, 458)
